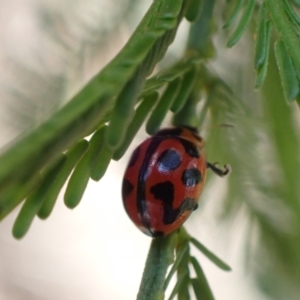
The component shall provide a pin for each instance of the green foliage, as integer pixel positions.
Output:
(287, 72)
(200, 284)
(262, 42)
(262, 147)
(141, 114)
(194, 10)
(243, 23)
(34, 202)
(89, 108)
(210, 255)
(72, 157)
(175, 249)
(163, 106)
(235, 7)
(284, 20)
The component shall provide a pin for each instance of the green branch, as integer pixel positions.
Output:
(160, 256)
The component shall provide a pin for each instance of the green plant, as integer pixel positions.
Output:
(262, 147)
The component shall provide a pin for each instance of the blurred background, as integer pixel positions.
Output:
(48, 50)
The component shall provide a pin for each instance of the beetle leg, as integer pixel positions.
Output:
(217, 170)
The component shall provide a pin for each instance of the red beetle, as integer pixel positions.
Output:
(164, 179)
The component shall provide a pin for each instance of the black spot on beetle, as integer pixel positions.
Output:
(163, 191)
(190, 148)
(134, 157)
(187, 204)
(127, 188)
(169, 160)
(191, 177)
(196, 206)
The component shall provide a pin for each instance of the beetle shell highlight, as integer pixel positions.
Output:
(163, 180)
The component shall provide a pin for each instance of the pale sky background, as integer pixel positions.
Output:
(94, 251)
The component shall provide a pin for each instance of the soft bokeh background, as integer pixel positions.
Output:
(48, 49)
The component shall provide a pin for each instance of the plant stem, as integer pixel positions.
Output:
(199, 41)
(160, 256)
